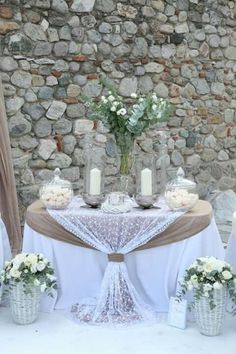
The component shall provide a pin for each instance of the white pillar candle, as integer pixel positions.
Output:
(95, 182)
(146, 182)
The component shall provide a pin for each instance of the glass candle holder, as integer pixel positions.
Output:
(94, 180)
(146, 186)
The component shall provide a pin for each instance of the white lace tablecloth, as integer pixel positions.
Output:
(118, 301)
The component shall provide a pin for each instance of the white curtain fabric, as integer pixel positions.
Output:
(5, 250)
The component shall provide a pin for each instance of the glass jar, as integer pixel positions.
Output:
(181, 193)
(56, 194)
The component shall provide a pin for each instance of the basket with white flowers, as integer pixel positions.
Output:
(211, 280)
(29, 269)
(26, 276)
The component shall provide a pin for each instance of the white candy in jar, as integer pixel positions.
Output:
(181, 198)
(54, 197)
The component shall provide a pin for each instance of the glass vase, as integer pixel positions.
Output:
(125, 156)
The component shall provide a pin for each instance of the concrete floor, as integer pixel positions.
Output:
(55, 334)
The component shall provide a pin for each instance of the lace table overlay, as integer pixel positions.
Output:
(118, 301)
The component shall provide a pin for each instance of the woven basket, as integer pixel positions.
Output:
(24, 305)
(210, 321)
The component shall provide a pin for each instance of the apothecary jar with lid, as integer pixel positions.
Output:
(57, 193)
(181, 193)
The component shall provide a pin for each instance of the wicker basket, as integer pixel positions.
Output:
(210, 321)
(24, 304)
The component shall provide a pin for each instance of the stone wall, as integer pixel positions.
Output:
(54, 50)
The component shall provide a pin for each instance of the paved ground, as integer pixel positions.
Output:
(54, 334)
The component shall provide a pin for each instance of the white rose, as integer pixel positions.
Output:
(14, 273)
(226, 274)
(133, 95)
(32, 258)
(40, 266)
(36, 282)
(217, 285)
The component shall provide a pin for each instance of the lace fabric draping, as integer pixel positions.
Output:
(118, 301)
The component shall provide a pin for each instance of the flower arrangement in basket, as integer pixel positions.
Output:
(128, 117)
(26, 276)
(207, 274)
(31, 270)
(211, 280)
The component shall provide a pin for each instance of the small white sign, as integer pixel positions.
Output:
(177, 312)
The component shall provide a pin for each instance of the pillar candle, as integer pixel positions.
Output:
(95, 182)
(146, 182)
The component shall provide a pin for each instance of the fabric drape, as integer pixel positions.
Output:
(8, 196)
(186, 226)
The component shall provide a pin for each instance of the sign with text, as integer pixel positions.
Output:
(177, 313)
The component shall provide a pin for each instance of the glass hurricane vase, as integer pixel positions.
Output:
(125, 147)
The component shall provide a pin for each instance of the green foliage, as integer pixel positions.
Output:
(127, 116)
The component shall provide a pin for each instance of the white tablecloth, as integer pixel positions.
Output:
(230, 256)
(154, 272)
(5, 250)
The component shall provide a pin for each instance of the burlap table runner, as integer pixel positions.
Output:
(188, 225)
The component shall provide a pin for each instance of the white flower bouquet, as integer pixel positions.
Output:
(31, 270)
(206, 275)
(127, 117)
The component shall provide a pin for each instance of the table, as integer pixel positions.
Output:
(5, 250)
(230, 256)
(154, 272)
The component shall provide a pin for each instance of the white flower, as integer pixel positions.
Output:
(14, 273)
(207, 287)
(121, 112)
(154, 98)
(36, 282)
(111, 98)
(154, 107)
(217, 285)
(33, 268)
(40, 266)
(133, 95)
(32, 258)
(43, 287)
(226, 274)
(113, 108)
(141, 99)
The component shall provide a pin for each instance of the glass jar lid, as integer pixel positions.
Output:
(180, 182)
(57, 181)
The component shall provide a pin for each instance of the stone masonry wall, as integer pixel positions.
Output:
(54, 50)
